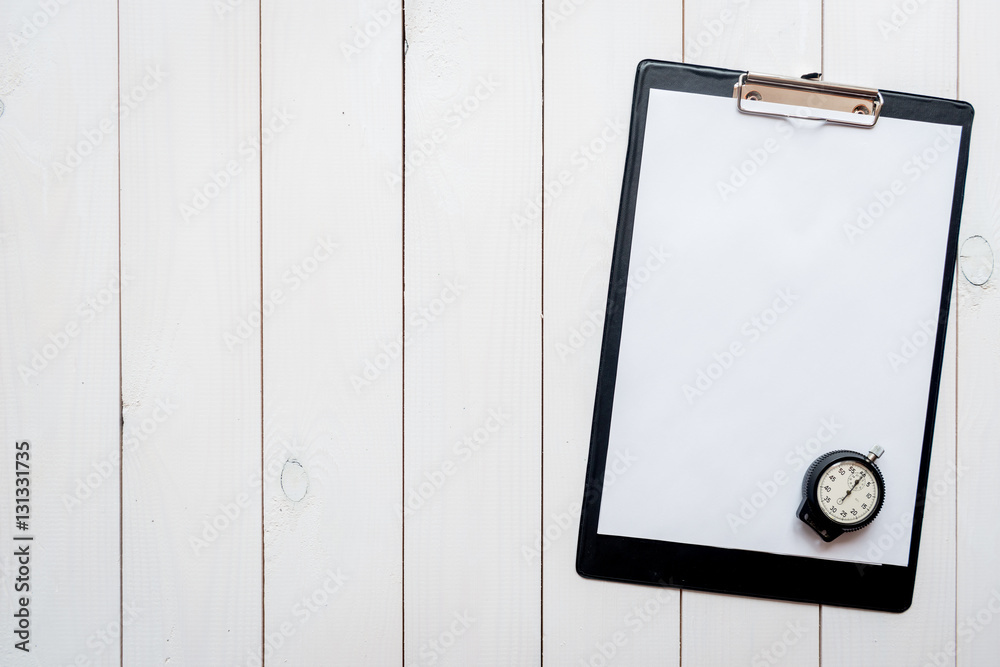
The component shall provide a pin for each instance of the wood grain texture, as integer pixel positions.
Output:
(472, 408)
(332, 272)
(906, 46)
(190, 240)
(978, 583)
(588, 95)
(59, 382)
(917, 55)
(784, 38)
(775, 37)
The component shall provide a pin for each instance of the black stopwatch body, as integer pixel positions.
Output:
(842, 491)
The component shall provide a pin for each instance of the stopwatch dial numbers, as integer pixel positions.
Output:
(847, 492)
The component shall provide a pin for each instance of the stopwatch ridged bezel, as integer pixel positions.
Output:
(809, 486)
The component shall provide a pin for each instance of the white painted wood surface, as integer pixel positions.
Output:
(377, 502)
(332, 247)
(190, 228)
(59, 346)
(472, 322)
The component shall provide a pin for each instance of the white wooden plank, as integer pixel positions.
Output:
(776, 37)
(978, 534)
(745, 631)
(332, 266)
(591, 55)
(472, 381)
(781, 37)
(190, 225)
(59, 345)
(892, 45)
(863, 46)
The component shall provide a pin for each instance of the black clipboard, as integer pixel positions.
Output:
(635, 544)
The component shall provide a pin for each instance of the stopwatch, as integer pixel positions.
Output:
(842, 491)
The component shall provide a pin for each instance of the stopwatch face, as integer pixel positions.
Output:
(848, 492)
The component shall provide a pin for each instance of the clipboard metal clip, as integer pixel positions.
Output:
(811, 99)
